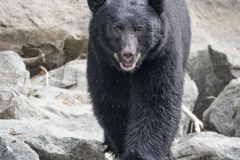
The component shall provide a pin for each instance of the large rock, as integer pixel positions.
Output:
(215, 52)
(189, 98)
(223, 116)
(14, 149)
(58, 28)
(12, 70)
(207, 145)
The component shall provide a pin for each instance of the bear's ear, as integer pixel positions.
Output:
(95, 4)
(158, 5)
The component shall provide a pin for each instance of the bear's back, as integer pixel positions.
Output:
(178, 17)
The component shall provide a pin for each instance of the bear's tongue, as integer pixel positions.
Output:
(128, 65)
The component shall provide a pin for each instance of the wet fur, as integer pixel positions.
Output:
(139, 111)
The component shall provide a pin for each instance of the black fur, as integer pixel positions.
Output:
(138, 110)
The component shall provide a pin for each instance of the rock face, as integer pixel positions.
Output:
(223, 115)
(58, 28)
(207, 145)
(12, 70)
(215, 55)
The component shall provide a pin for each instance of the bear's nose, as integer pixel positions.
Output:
(128, 57)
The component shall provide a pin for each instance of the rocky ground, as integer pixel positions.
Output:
(56, 122)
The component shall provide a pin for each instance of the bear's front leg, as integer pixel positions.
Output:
(155, 113)
(109, 91)
(151, 133)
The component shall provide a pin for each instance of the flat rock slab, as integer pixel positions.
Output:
(207, 145)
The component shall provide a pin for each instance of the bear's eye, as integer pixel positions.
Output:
(138, 28)
(117, 29)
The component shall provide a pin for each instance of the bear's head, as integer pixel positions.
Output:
(128, 30)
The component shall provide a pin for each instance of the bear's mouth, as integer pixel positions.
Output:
(128, 67)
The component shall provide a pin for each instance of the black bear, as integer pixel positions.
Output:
(136, 62)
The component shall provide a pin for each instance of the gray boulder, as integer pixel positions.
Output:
(14, 149)
(207, 145)
(223, 116)
(12, 70)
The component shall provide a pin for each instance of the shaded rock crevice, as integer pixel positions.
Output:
(211, 71)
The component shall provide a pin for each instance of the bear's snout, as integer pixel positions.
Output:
(129, 60)
(127, 57)
(129, 48)
(130, 52)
